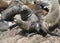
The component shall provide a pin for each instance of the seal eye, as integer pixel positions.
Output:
(45, 6)
(46, 9)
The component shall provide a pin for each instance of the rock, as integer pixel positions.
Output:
(34, 39)
(10, 39)
(9, 33)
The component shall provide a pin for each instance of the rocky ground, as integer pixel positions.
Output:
(15, 36)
